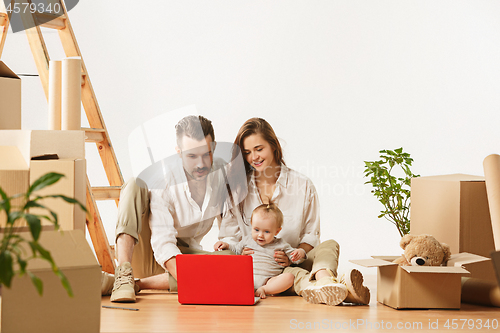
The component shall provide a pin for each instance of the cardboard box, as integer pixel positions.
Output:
(23, 310)
(10, 98)
(66, 144)
(73, 185)
(454, 209)
(420, 287)
(14, 176)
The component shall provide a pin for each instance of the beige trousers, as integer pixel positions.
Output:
(323, 256)
(133, 220)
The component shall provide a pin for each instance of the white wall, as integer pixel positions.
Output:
(338, 80)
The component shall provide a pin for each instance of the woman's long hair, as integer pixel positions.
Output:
(262, 127)
(238, 183)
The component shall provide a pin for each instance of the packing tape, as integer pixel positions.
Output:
(491, 167)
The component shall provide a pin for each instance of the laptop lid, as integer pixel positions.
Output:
(215, 279)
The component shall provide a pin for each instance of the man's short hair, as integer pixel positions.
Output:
(194, 127)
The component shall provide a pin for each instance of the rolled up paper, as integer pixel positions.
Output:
(482, 292)
(55, 95)
(71, 94)
(491, 167)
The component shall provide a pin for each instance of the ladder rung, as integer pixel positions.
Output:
(94, 135)
(50, 20)
(106, 192)
(3, 18)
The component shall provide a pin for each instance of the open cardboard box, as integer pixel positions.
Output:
(31, 143)
(23, 310)
(69, 147)
(454, 209)
(10, 98)
(420, 287)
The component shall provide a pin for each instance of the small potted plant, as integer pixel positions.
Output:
(13, 260)
(392, 191)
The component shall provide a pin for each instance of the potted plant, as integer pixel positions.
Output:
(13, 260)
(392, 191)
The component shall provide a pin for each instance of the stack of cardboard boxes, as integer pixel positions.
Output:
(23, 310)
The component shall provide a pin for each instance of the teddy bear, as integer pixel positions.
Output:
(423, 250)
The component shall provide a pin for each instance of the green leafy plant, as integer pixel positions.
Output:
(393, 192)
(13, 258)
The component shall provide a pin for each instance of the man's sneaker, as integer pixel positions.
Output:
(358, 293)
(108, 282)
(326, 290)
(123, 288)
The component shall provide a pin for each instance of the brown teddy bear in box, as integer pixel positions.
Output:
(423, 250)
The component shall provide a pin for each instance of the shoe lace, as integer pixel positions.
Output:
(335, 279)
(124, 277)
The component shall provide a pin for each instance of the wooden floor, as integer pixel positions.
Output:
(160, 312)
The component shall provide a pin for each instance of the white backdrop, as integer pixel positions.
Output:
(338, 80)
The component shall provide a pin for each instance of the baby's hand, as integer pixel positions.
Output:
(298, 254)
(260, 292)
(219, 246)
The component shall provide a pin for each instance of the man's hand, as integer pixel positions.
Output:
(281, 258)
(298, 254)
(171, 266)
(219, 246)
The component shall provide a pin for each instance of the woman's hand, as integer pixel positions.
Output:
(247, 251)
(281, 258)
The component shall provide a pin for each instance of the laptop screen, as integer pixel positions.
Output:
(215, 279)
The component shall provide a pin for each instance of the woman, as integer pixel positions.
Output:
(269, 179)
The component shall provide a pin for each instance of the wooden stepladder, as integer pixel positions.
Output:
(97, 133)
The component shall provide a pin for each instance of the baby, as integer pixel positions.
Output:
(266, 221)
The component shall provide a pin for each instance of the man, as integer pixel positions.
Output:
(174, 208)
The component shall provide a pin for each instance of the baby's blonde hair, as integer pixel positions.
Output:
(270, 208)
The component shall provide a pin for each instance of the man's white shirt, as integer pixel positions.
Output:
(175, 215)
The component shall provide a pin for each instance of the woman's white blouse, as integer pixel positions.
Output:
(296, 197)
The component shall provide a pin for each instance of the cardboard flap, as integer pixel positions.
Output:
(435, 269)
(460, 177)
(376, 262)
(386, 258)
(68, 248)
(464, 258)
(6, 71)
(12, 159)
(66, 144)
(18, 138)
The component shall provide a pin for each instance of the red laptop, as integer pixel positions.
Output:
(215, 279)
